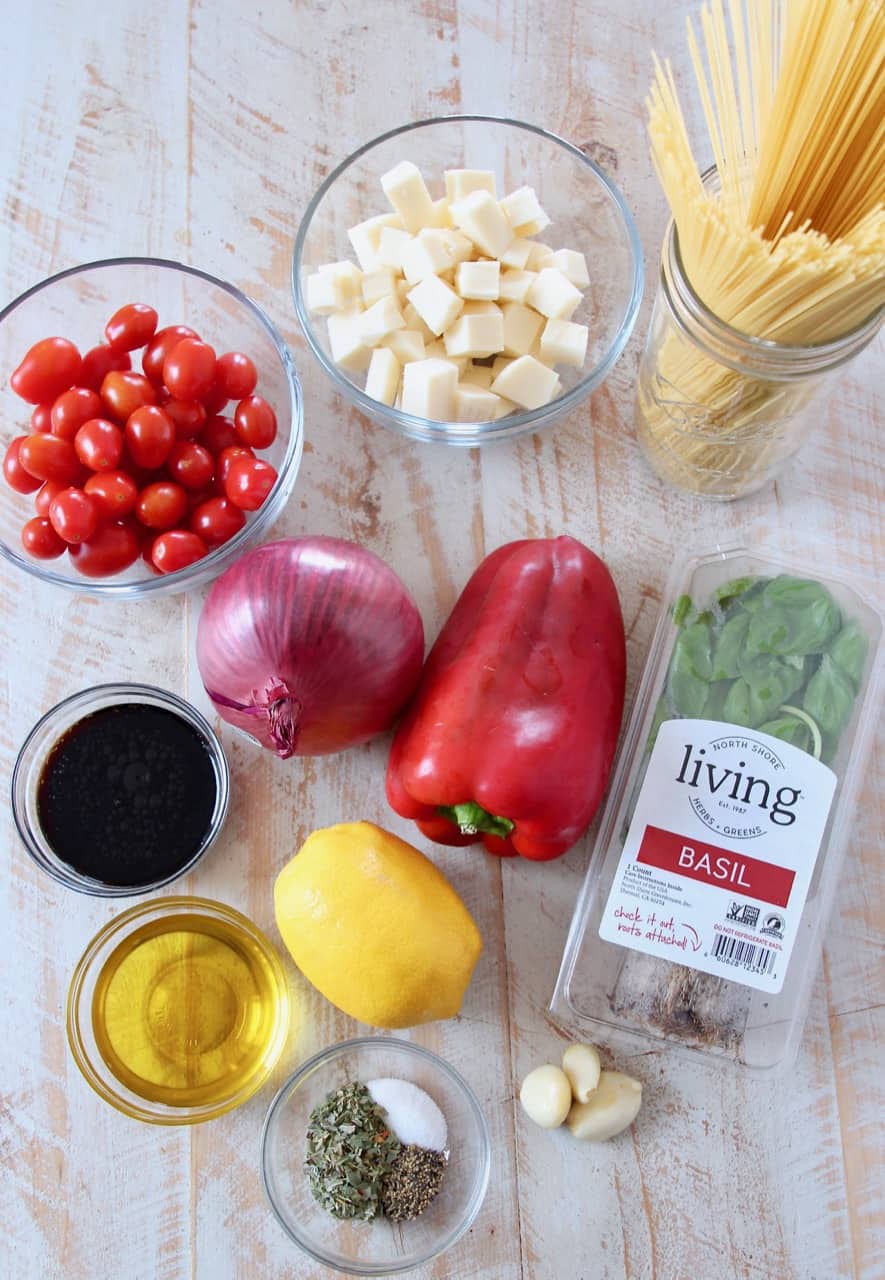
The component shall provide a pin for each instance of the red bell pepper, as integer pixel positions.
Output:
(512, 731)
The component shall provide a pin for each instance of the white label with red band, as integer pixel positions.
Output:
(721, 848)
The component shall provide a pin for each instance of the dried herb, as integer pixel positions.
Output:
(350, 1150)
(412, 1183)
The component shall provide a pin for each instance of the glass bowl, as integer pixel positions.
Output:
(76, 304)
(196, 915)
(43, 737)
(381, 1247)
(588, 213)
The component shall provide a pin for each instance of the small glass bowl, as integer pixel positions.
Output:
(588, 213)
(43, 737)
(381, 1247)
(81, 1035)
(77, 304)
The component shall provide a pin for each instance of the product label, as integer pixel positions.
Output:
(720, 852)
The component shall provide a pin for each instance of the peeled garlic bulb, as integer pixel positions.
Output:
(581, 1064)
(612, 1106)
(546, 1096)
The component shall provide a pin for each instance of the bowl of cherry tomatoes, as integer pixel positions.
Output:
(153, 427)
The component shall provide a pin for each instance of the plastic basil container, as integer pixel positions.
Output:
(699, 925)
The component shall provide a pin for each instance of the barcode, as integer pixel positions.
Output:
(745, 955)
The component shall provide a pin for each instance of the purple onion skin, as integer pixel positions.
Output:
(311, 645)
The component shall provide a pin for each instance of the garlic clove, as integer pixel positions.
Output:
(581, 1064)
(546, 1096)
(611, 1108)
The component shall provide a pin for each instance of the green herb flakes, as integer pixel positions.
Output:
(350, 1151)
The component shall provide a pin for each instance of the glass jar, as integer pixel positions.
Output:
(720, 412)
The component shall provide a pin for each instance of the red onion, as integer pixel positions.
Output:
(310, 644)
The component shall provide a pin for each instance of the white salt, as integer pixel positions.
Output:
(414, 1117)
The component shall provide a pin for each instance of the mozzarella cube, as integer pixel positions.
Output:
(478, 375)
(481, 218)
(414, 321)
(503, 407)
(460, 183)
(499, 363)
(429, 389)
(527, 382)
(541, 255)
(476, 307)
(478, 279)
(524, 213)
(564, 342)
(405, 189)
(433, 251)
(553, 295)
(521, 328)
(340, 280)
(436, 350)
(323, 295)
(573, 266)
(346, 343)
(436, 304)
(366, 238)
(517, 255)
(379, 320)
(475, 335)
(514, 285)
(382, 382)
(346, 273)
(391, 243)
(474, 404)
(441, 217)
(406, 344)
(377, 285)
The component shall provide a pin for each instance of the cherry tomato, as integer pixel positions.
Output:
(248, 482)
(41, 541)
(255, 422)
(235, 375)
(216, 520)
(225, 459)
(114, 548)
(50, 458)
(48, 490)
(113, 492)
(219, 434)
(17, 475)
(159, 347)
(71, 409)
(73, 515)
(189, 416)
(190, 464)
(189, 369)
(150, 434)
(214, 401)
(99, 362)
(41, 419)
(130, 327)
(177, 549)
(147, 556)
(123, 393)
(99, 445)
(48, 369)
(161, 505)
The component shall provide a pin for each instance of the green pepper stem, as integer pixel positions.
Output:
(472, 819)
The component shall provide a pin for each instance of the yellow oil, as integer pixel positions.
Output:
(186, 1011)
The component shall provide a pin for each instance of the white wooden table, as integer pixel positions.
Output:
(199, 131)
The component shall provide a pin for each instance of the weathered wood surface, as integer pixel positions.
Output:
(199, 131)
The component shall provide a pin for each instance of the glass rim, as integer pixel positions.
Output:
(219, 557)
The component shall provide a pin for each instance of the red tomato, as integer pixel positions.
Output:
(150, 434)
(73, 515)
(123, 393)
(216, 520)
(99, 362)
(47, 492)
(248, 482)
(177, 549)
(225, 459)
(50, 458)
(71, 409)
(41, 419)
(190, 464)
(255, 422)
(41, 541)
(159, 347)
(130, 327)
(148, 556)
(189, 369)
(49, 368)
(214, 401)
(114, 548)
(235, 375)
(17, 475)
(189, 416)
(161, 505)
(219, 434)
(113, 492)
(99, 445)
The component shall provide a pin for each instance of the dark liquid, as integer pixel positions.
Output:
(127, 794)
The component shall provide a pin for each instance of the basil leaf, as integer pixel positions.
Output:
(714, 707)
(728, 646)
(690, 670)
(788, 729)
(829, 697)
(849, 652)
(681, 609)
(795, 617)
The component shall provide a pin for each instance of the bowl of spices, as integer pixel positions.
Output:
(375, 1156)
(119, 790)
(178, 1010)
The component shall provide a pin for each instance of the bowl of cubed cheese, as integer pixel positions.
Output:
(467, 278)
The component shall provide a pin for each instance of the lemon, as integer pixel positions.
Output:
(376, 927)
